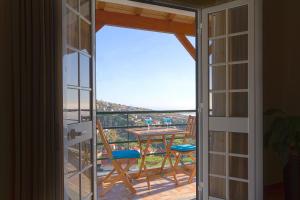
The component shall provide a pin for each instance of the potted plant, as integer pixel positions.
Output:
(282, 135)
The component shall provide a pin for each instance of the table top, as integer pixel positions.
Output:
(154, 131)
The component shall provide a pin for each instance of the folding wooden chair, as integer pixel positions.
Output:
(117, 158)
(186, 149)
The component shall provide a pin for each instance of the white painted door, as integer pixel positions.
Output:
(79, 99)
(229, 101)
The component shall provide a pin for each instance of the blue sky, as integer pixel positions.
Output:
(144, 69)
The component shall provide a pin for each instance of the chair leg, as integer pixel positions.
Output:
(147, 177)
(108, 175)
(109, 187)
(163, 163)
(173, 170)
(178, 157)
(174, 167)
(124, 177)
(148, 183)
(128, 184)
(193, 173)
(126, 169)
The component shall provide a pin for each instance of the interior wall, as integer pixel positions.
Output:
(281, 69)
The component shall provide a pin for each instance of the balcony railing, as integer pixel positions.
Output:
(115, 124)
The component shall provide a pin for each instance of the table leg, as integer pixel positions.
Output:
(167, 156)
(143, 157)
(144, 153)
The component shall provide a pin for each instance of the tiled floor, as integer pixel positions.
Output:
(162, 188)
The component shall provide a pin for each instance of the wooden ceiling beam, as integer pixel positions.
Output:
(99, 26)
(187, 44)
(143, 23)
(100, 5)
(138, 11)
(171, 16)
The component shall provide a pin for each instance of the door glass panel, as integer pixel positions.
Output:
(217, 24)
(238, 105)
(85, 9)
(85, 38)
(217, 51)
(217, 141)
(86, 182)
(217, 104)
(72, 29)
(86, 154)
(217, 187)
(217, 164)
(84, 71)
(238, 190)
(238, 76)
(238, 167)
(73, 4)
(238, 143)
(71, 110)
(238, 19)
(85, 108)
(72, 166)
(217, 78)
(238, 48)
(72, 67)
(73, 187)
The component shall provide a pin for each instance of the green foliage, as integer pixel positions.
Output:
(282, 133)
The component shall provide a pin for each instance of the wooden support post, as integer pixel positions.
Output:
(186, 44)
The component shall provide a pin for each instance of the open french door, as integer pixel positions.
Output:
(231, 103)
(79, 99)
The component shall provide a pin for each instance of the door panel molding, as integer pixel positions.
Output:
(229, 124)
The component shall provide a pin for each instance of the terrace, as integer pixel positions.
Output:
(115, 125)
(179, 24)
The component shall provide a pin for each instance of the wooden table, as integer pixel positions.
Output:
(148, 136)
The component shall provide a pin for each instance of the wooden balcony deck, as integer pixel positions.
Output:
(162, 188)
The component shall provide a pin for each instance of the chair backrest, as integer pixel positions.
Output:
(190, 130)
(103, 138)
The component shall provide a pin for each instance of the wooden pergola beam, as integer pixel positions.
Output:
(99, 26)
(143, 23)
(171, 16)
(138, 11)
(187, 44)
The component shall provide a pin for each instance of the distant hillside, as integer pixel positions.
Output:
(105, 106)
(134, 119)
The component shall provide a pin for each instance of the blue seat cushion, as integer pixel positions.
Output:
(126, 154)
(183, 147)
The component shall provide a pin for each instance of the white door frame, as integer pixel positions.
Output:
(255, 168)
